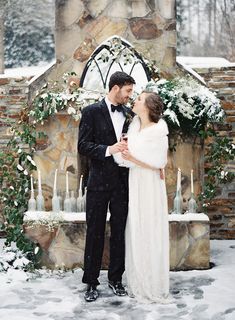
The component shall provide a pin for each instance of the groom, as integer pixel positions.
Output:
(101, 126)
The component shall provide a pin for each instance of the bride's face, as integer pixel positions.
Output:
(139, 105)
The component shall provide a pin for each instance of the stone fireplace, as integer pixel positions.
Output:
(82, 28)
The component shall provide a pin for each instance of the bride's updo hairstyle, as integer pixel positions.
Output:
(154, 104)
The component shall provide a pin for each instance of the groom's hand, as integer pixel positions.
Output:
(162, 174)
(117, 147)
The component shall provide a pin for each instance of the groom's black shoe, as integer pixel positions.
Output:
(117, 288)
(91, 293)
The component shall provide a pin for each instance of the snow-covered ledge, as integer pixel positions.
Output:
(62, 239)
(81, 216)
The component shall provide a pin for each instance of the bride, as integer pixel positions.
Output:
(147, 233)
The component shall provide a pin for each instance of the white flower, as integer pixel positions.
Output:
(191, 101)
(36, 250)
(31, 160)
(172, 115)
(53, 104)
(16, 203)
(71, 110)
(9, 256)
(223, 174)
(25, 172)
(19, 150)
(161, 81)
(19, 167)
(20, 263)
(77, 117)
(11, 187)
(33, 163)
(44, 95)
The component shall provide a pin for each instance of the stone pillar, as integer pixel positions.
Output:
(150, 26)
(1, 37)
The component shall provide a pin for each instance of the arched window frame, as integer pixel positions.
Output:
(108, 48)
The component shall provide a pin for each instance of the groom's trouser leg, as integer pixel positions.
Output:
(96, 212)
(118, 210)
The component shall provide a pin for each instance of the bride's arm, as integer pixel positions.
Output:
(128, 156)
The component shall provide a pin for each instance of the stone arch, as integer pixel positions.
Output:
(99, 67)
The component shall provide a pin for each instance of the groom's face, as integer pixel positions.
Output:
(124, 93)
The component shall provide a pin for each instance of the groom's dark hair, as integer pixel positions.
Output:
(120, 79)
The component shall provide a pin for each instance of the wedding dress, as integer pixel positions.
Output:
(147, 230)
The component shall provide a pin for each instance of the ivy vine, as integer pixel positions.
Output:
(16, 163)
(218, 153)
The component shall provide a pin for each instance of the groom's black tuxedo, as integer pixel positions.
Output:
(107, 185)
(95, 134)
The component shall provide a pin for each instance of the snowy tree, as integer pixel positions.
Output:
(29, 27)
(209, 26)
(1, 36)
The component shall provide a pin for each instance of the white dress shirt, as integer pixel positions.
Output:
(118, 120)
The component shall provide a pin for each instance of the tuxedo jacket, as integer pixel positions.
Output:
(96, 132)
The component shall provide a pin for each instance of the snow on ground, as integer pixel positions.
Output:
(196, 295)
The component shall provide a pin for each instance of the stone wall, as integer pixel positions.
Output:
(58, 151)
(222, 210)
(81, 26)
(188, 155)
(13, 96)
(64, 244)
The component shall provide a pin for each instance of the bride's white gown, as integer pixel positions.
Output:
(147, 230)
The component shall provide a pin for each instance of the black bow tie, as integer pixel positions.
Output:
(118, 108)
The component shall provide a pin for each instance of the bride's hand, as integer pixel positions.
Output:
(127, 155)
(162, 174)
